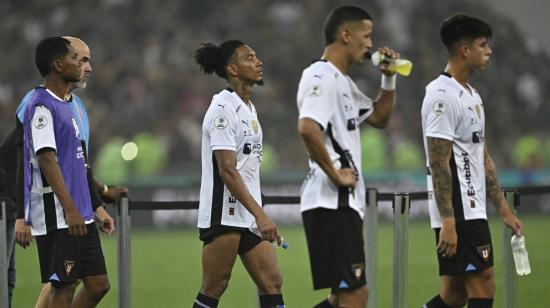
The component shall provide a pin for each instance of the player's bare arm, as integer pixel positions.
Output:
(47, 160)
(105, 221)
(439, 152)
(227, 164)
(110, 193)
(385, 102)
(495, 195)
(311, 134)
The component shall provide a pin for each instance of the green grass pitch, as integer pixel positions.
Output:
(166, 269)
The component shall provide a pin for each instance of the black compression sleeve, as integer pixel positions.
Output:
(94, 195)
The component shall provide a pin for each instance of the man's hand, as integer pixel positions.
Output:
(77, 226)
(113, 193)
(105, 221)
(268, 229)
(23, 235)
(390, 53)
(447, 238)
(346, 177)
(512, 222)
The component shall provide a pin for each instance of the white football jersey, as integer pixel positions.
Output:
(334, 101)
(229, 124)
(451, 112)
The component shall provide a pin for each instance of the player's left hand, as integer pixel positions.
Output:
(114, 193)
(512, 222)
(390, 53)
(105, 221)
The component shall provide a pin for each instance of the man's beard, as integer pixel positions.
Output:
(81, 85)
(260, 82)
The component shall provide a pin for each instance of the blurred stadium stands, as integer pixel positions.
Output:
(146, 86)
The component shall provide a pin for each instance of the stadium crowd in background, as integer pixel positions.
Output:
(146, 85)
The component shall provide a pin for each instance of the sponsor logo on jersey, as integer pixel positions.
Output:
(478, 137)
(252, 148)
(468, 174)
(352, 124)
(76, 130)
(79, 153)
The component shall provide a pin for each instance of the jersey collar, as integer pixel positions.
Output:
(335, 69)
(55, 96)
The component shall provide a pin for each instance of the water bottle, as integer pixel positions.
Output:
(284, 243)
(521, 258)
(401, 66)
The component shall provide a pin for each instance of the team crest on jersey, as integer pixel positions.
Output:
(315, 91)
(69, 265)
(358, 269)
(478, 111)
(41, 122)
(484, 251)
(255, 126)
(220, 122)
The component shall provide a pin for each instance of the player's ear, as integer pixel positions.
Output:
(57, 65)
(345, 35)
(464, 49)
(232, 70)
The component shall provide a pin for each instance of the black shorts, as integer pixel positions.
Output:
(336, 252)
(248, 240)
(474, 251)
(66, 258)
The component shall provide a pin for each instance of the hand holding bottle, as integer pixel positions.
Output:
(401, 66)
(284, 244)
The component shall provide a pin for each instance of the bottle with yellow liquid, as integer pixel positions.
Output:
(401, 66)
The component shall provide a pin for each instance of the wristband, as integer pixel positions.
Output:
(388, 82)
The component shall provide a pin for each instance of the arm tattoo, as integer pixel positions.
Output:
(494, 193)
(439, 154)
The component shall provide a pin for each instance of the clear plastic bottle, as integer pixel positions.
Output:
(521, 257)
(401, 66)
(284, 243)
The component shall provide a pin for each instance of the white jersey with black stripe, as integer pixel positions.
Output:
(334, 101)
(229, 124)
(454, 113)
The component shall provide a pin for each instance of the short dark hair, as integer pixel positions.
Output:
(212, 58)
(337, 17)
(49, 50)
(460, 26)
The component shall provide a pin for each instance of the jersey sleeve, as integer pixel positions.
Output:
(318, 102)
(441, 118)
(222, 128)
(42, 129)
